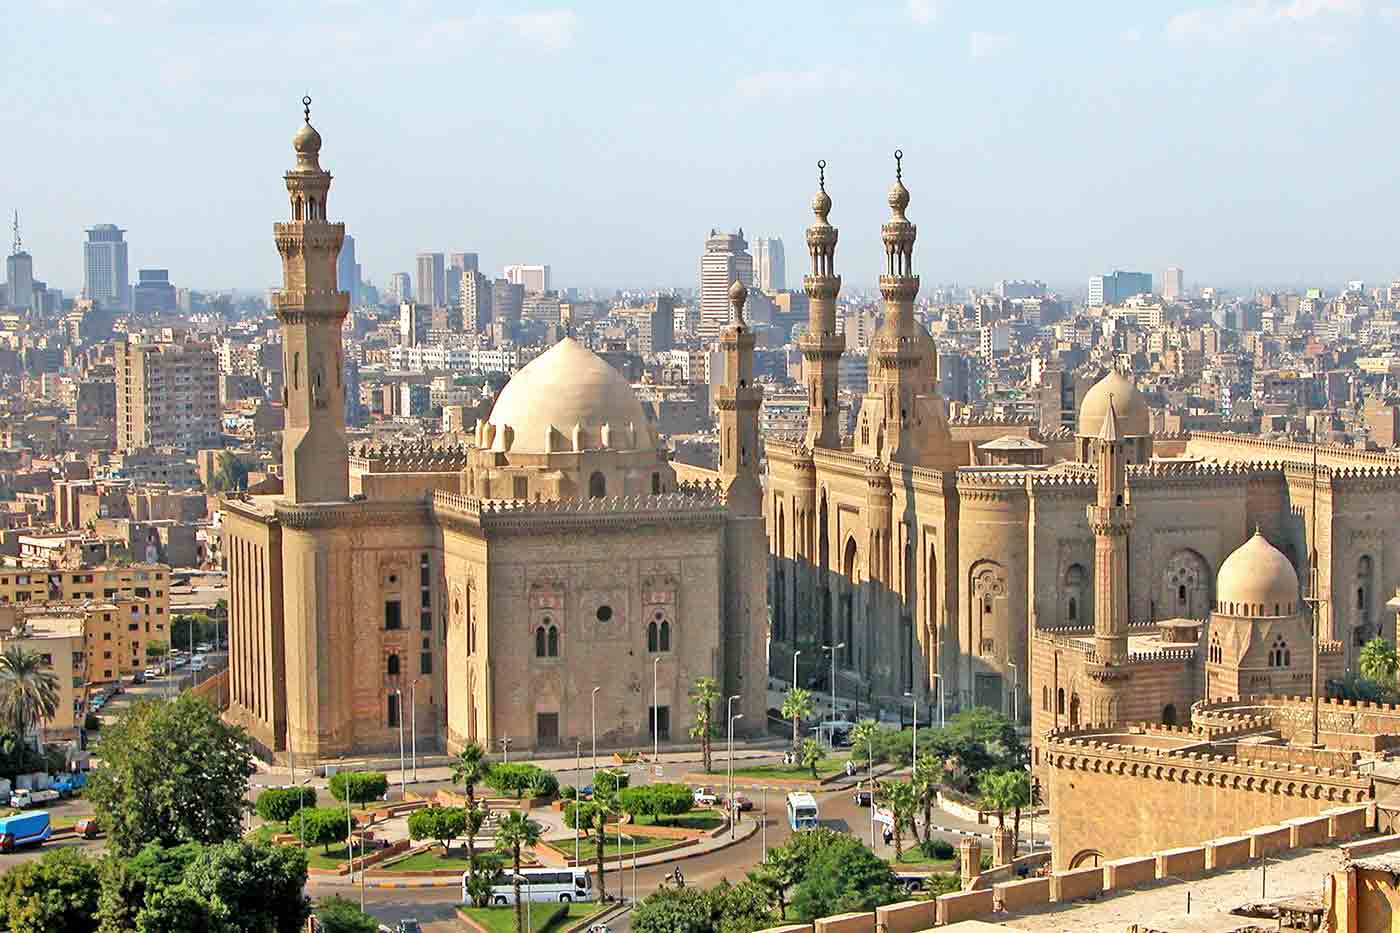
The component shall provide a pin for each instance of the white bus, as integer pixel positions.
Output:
(802, 811)
(540, 884)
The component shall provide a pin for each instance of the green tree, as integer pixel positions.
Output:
(1006, 790)
(777, 874)
(230, 474)
(674, 910)
(811, 755)
(601, 808)
(56, 894)
(126, 884)
(899, 796)
(280, 804)
(610, 781)
(517, 778)
(252, 887)
(28, 692)
(359, 787)
(843, 877)
(336, 914)
(863, 736)
(740, 908)
(797, 706)
(656, 800)
(1378, 662)
(179, 909)
(319, 826)
(927, 777)
(515, 833)
(469, 769)
(442, 824)
(172, 772)
(703, 697)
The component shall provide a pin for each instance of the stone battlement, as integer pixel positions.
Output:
(613, 511)
(1293, 451)
(410, 458)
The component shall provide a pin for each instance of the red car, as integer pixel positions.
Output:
(742, 802)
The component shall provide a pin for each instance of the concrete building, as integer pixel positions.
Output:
(432, 280)
(414, 321)
(153, 292)
(106, 279)
(401, 287)
(507, 304)
(485, 587)
(167, 393)
(769, 267)
(19, 275)
(1173, 284)
(475, 299)
(656, 325)
(1116, 287)
(530, 278)
(459, 265)
(726, 258)
(347, 271)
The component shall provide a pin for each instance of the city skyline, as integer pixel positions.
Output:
(1209, 182)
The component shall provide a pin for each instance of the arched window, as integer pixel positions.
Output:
(391, 666)
(1216, 654)
(1045, 696)
(1060, 701)
(1169, 714)
(665, 636)
(552, 642)
(1279, 655)
(1073, 609)
(651, 638)
(597, 486)
(540, 646)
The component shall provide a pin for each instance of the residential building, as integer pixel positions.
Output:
(105, 275)
(1173, 284)
(347, 271)
(58, 640)
(458, 266)
(530, 278)
(725, 260)
(1115, 287)
(167, 393)
(476, 302)
(401, 287)
(432, 282)
(19, 275)
(507, 303)
(768, 264)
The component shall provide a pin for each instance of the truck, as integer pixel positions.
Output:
(69, 782)
(22, 799)
(24, 829)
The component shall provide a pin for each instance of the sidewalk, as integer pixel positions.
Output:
(743, 832)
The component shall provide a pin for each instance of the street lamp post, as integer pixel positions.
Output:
(765, 822)
(729, 763)
(578, 770)
(413, 719)
(833, 649)
(794, 666)
(914, 761)
(593, 719)
(505, 748)
(655, 714)
(870, 778)
(403, 774)
(1015, 692)
(942, 719)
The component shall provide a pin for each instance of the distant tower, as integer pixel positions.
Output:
(105, 276)
(901, 417)
(19, 273)
(1111, 517)
(725, 259)
(822, 345)
(311, 309)
(347, 275)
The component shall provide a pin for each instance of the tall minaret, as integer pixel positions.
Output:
(821, 345)
(738, 401)
(1111, 517)
(901, 417)
(315, 462)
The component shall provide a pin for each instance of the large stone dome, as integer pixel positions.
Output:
(1257, 580)
(1134, 416)
(568, 398)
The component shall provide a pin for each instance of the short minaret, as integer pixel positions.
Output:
(822, 345)
(738, 401)
(1111, 517)
(315, 462)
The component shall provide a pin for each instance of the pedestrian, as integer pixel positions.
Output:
(889, 836)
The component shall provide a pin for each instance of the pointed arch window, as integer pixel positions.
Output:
(546, 639)
(391, 665)
(1279, 655)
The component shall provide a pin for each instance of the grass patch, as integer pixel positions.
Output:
(317, 857)
(588, 849)
(502, 919)
(704, 820)
(430, 860)
(825, 768)
(913, 858)
(264, 833)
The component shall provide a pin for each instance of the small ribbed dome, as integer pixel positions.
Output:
(821, 205)
(737, 292)
(307, 142)
(568, 388)
(898, 198)
(1134, 416)
(1257, 580)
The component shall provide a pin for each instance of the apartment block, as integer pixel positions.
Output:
(167, 393)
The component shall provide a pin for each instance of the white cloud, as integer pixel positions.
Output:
(925, 12)
(982, 45)
(1238, 23)
(550, 30)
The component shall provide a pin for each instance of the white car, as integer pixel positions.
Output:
(197, 664)
(152, 672)
(705, 796)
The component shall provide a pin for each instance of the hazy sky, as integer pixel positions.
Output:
(1252, 141)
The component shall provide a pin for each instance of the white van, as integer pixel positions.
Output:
(540, 884)
(802, 811)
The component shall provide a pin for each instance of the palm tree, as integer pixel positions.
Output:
(899, 797)
(928, 776)
(862, 739)
(811, 755)
(469, 769)
(1006, 790)
(28, 693)
(797, 706)
(603, 805)
(515, 832)
(703, 698)
(1379, 662)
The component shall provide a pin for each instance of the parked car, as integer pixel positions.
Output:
(862, 797)
(72, 781)
(198, 664)
(204, 646)
(151, 673)
(87, 828)
(139, 677)
(705, 796)
(741, 802)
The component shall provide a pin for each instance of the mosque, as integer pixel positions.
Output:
(550, 584)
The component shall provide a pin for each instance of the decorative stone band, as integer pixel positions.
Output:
(899, 287)
(349, 514)
(822, 286)
(705, 508)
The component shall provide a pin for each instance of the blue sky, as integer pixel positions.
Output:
(1249, 141)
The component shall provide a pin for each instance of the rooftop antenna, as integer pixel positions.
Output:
(1314, 598)
(19, 245)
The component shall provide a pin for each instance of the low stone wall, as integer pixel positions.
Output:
(1266, 840)
(1022, 895)
(961, 810)
(965, 906)
(1306, 831)
(1346, 822)
(1371, 847)
(1076, 884)
(1129, 872)
(846, 923)
(1183, 863)
(374, 858)
(906, 916)
(1019, 868)
(1227, 852)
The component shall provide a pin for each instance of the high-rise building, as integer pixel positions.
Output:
(432, 283)
(530, 278)
(105, 266)
(167, 392)
(726, 258)
(656, 325)
(401, 286)
(769, 267)
(1173, 284)
(507, 302)
(347, 270)
(1117, 286)
(476, 302)
(153, 292)
(19, 275)
(414, 320)
(458, 265)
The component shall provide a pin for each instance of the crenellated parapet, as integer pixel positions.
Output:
(702, 503)
(424, 457)
(1295, 452)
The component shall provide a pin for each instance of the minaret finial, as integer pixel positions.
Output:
(821, 174)
(306, 107)
(898, 168)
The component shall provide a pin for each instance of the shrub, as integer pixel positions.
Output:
(610, 781)
(938, 849)
(280, 804)
(361, 786)
(319, 826)
(656, 800)
(517, 778)
(568, 792)
(91, 723)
